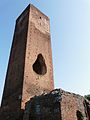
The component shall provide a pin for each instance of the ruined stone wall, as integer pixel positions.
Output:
(44, 107)
(72, 105)
(57, 105)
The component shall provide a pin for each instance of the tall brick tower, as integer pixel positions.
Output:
(30, 70)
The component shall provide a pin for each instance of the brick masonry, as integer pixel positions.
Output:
(72, 103)
(30, 70)
(44, 107)
(29, 77)
(57, 105)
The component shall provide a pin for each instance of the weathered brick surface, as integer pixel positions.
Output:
(7, 113)
(15, 73)
(30, 70)
(62, 106)
(55, 105)
(44, 107)
(30, 73)
(38, 42)
(70, 104)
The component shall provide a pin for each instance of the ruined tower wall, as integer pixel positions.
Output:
(30, 76)
(38, 42)
(14, 78)
(30, 70)
(57, 105)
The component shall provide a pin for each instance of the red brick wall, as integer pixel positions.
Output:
(31, 38)
(38, 42)
(65, 108)
(14, 78)
(70, 104)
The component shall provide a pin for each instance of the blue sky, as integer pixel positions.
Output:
(70, 33)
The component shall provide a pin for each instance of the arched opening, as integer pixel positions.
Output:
(39, 65)
(79, 115)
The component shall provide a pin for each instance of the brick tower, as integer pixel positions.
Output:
(30, 70)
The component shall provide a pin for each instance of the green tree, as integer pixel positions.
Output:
(87, 97)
